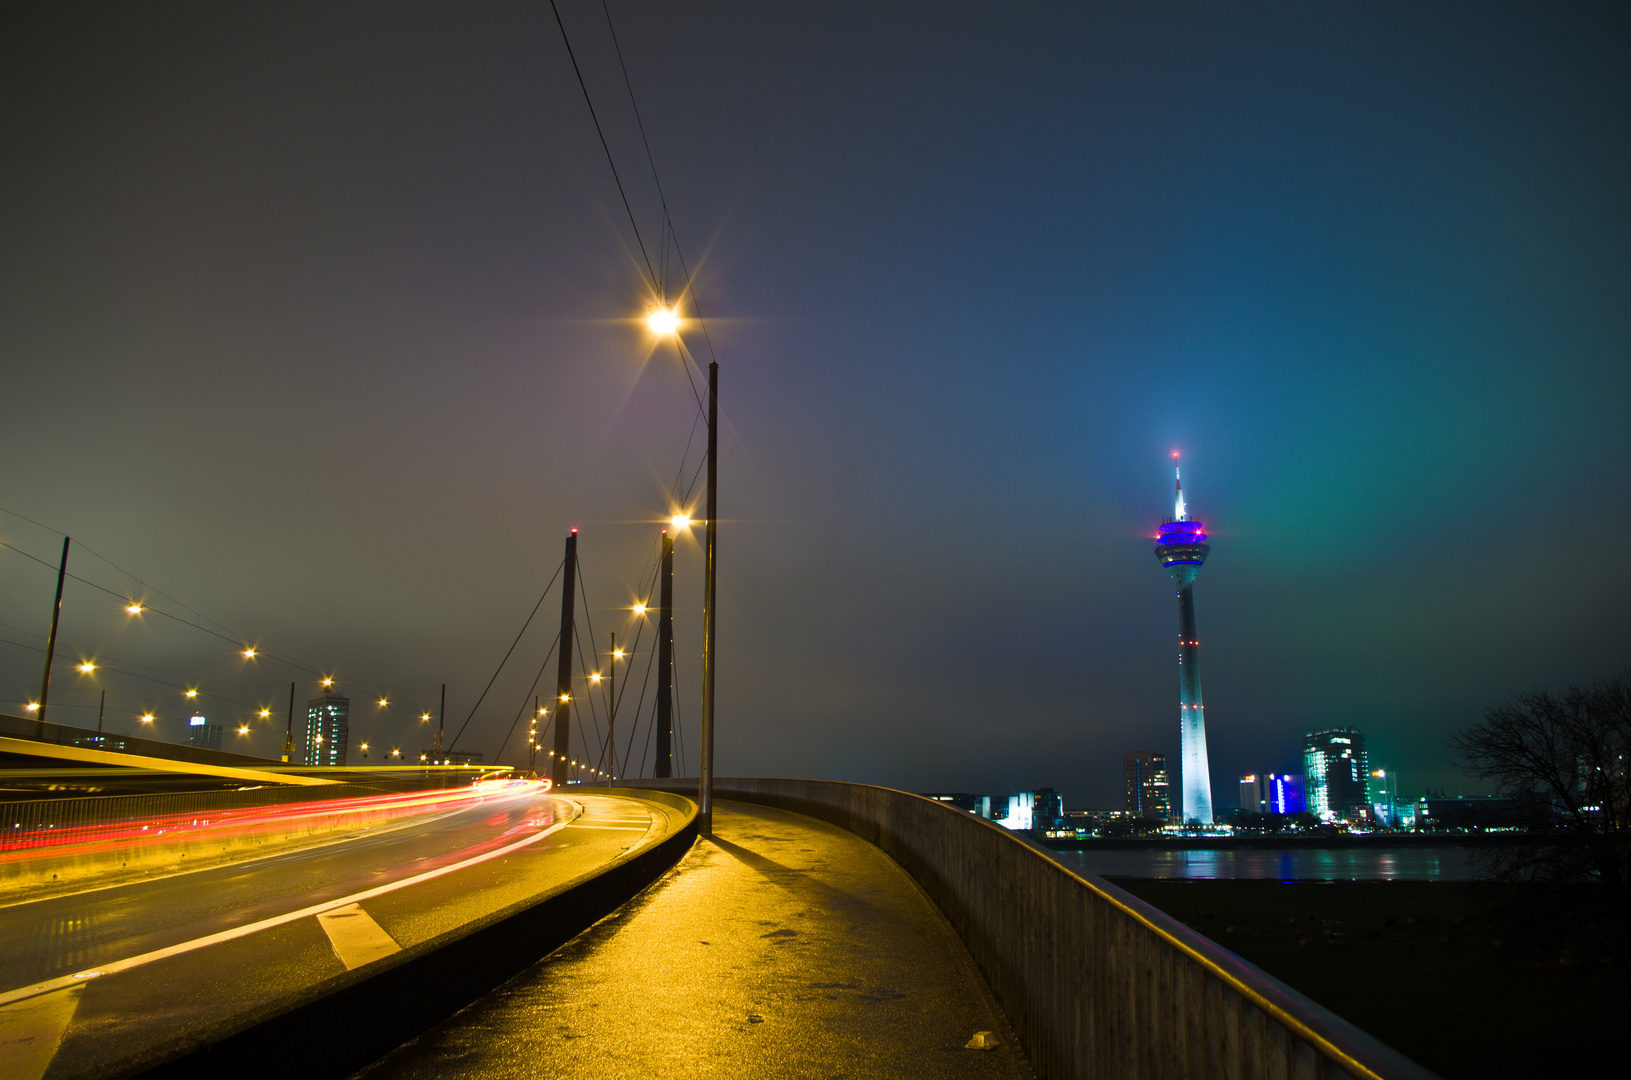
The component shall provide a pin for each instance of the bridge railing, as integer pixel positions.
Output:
(21, 727)
(1095, 982)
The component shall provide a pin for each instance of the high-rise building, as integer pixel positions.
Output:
(200, 732)
(1181, 546)
(327, 730)
(1285, 794)
(1336, 773)
(1149, 793)
(1251, 794)
(1047, 810)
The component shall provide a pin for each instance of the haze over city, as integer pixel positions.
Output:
(327, 326)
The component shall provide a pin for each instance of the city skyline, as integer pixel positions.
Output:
(332, 331)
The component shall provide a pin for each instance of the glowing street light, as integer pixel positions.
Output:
(662, 320)
(265, 713)
(594, 677)
(192, 693)
(383, 702)
(424, 717)
(639, 609)
(243, 729)
(566, 697)
(32, 706)
(328, 680)
(681, 521)
(147, 718)
(87, 667)
(133, 608)
(249, 654)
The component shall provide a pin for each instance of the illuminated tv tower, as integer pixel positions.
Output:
(1181, 546)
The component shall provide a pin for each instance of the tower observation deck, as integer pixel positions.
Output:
(1181, 546)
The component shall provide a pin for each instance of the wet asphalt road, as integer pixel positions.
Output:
(106, 1019)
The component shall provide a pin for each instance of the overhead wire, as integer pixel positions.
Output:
(507, 654)
(531, 690)
(567, 41)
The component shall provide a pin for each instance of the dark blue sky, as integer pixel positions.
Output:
(314, 320)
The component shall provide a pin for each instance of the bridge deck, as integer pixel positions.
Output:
(781, 947)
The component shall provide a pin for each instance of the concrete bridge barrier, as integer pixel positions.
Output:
(1095, 982)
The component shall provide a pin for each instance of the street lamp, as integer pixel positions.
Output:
(662, 320)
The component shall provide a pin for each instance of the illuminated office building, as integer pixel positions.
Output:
(1148, 791)
(1251, 794)
(1182, 548)
(327, 730)
(200, 732)
(1336, 774)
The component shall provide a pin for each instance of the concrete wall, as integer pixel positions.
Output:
(1095, 982)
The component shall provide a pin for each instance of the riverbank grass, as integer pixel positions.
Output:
(1429, 968)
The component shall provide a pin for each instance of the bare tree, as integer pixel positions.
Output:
(1570, 750)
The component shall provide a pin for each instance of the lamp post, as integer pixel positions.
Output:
(664, 322)
(288, 732)
(705, 771)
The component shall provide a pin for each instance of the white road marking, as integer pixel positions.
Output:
(356, 937)
(612, 828)
(31, 1031)
(236, 932)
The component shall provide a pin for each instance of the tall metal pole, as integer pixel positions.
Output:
(441, 723)
(611, 712)
(51, 642)
(563, 675)
(705, 773)
(665, 663)
(288, 732)
(100, 710)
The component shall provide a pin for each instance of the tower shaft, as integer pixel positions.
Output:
(1197, 778)
(563, 679)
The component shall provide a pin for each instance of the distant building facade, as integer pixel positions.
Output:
(1336, 774)
(960, 799)
(1047, 810)
(200, 732)
(1285, 794)
(1251, 794)
(1146, 784)
(328, 730)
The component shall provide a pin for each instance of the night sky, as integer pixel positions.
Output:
(321, 322)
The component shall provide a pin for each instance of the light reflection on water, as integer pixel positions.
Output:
(1282, 864)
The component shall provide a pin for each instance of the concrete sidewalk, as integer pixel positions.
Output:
(780, 947)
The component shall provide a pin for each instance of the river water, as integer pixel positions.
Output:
(1281, 864)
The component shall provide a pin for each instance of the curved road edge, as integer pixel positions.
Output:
(336, 1027)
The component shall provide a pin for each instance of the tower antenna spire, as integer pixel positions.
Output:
(1179, 511)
